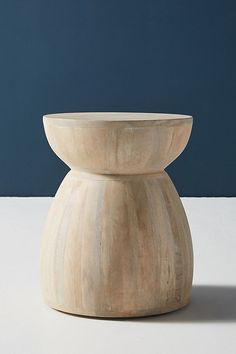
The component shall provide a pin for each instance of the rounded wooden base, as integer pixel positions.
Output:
(136, 314)
(116, 246)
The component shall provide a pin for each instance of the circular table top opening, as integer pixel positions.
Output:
(116, 116)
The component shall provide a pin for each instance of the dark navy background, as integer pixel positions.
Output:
(174, 56)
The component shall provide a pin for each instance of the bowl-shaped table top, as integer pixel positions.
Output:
(117, 142)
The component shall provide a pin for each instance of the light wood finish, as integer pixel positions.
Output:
(117, 241)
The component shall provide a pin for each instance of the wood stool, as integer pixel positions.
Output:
(117, 241)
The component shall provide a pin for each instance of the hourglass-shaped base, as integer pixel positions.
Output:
(115, 245)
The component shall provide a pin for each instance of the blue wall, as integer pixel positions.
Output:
(104, 55)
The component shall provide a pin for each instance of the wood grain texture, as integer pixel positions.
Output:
(117, 244)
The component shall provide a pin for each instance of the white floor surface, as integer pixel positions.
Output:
(207, 325)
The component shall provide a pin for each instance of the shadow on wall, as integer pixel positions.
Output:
(207, 304)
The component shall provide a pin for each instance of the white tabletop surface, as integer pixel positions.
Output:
(207, 325)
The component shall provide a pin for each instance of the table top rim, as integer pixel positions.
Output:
(112, 117)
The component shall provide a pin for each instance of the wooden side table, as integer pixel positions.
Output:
(117, 241)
